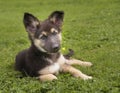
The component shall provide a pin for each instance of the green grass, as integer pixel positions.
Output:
(91, 28)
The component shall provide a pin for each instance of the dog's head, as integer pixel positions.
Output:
(46, 35)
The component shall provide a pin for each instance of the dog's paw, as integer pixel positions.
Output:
(82, 76)
(87, 64)
(86, 77)
(48, 77)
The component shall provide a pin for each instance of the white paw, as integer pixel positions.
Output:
(86, 77)
(88, 64)
(48, 77)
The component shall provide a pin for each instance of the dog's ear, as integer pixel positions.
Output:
(31, 23)
(57, 18)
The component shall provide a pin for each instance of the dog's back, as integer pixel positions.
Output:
(20, 61)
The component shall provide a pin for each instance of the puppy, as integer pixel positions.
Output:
(43, 58)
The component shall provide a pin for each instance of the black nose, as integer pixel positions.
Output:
(56, 47)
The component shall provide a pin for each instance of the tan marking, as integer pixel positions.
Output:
(53, 30)
(39, 45)
(53, 19)
(47, 77)
(60, 36)
(75, 72)
(35, 23)
(49, 60)
(42, 34)
(78, 62)
(31, 34)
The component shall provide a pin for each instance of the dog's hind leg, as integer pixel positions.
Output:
(47, 77)
(78, 62)
(75, 72)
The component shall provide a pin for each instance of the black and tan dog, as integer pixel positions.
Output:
(43, 59)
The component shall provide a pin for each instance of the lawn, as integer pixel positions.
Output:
(91, 28)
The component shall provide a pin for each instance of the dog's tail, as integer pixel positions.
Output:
(70, 54)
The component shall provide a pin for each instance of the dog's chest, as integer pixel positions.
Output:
(61, 60)
(54, 67)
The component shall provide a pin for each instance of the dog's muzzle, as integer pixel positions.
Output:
(55, 48)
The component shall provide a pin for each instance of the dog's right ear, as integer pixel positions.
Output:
(56, 18)
(31, 23)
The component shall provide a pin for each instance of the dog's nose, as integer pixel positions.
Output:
(56, 47)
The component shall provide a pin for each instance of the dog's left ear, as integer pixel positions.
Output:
(31, 23)
(57, 18)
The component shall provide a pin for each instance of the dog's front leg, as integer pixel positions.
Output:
(78, 62)
(46, 74)
(75, 72)
(47, 77)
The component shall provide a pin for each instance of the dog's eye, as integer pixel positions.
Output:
(43, 37)
(54, 33)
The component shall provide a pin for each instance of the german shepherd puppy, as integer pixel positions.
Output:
(43, 59)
